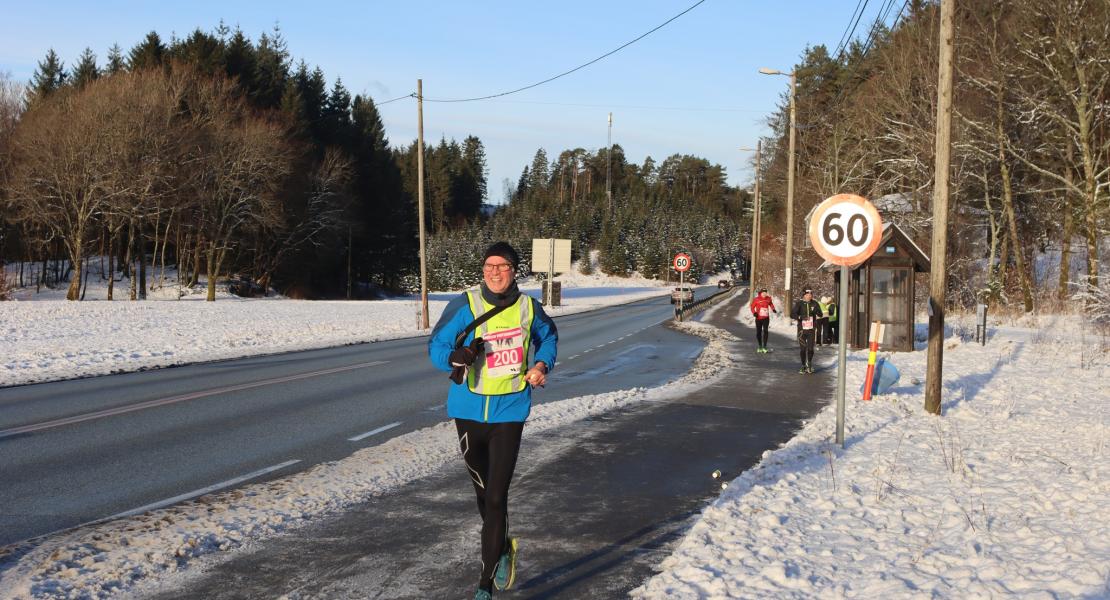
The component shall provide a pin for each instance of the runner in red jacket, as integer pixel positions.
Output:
(762, 306)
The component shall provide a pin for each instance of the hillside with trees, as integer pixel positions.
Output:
(1031, 144)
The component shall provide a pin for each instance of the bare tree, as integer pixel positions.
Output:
(238, 161)
(1064, 86)
(61, 170)
(323, 210)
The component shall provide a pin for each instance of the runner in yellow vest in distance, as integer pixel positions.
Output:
(491, 396)
(833, 330)
(823, 321)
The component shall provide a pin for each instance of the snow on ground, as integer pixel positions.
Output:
(50, 338)
(1006, 494)
(101, 560)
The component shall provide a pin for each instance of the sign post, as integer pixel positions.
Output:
(681, 264)
(551, 256)
(845, 230)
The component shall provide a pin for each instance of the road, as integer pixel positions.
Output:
(89, 449)
(597, 504)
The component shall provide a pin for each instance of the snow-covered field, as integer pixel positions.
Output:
(46, 338)
(1007, 494)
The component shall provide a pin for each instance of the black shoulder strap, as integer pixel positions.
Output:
(476, 323)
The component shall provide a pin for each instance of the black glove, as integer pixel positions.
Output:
(464, 356)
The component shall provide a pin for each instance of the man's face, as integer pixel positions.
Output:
(807, 297)
(498, 274)
(762, 294)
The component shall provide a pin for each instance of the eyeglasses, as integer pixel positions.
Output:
(488, 268)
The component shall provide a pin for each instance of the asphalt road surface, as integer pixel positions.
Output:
(597, 504)
(83, 450)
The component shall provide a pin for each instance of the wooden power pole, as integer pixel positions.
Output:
(756, 224)
(609, 169)
(420, 201)
(938, 280)
(787, 296)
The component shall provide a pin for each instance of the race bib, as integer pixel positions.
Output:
(807, 323)
(763, 312)
(504, 353)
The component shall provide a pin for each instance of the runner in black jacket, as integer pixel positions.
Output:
(806, 311)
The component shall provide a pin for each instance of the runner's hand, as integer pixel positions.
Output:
(465, 355)
(536, 376)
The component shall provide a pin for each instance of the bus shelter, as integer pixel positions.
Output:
(882, 289)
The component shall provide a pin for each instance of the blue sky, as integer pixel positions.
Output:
(691, 87)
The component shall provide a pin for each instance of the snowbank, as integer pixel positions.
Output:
(1007, 494)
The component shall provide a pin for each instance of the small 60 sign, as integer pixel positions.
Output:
(681, 262)
(845, 229)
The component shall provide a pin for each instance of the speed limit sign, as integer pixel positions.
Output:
(681, 262)
(845, 229)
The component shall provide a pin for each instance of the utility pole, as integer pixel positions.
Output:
(609, 167)
(756, 225)
(938, 280)
(420, 201)
(790, 199)
(349, 248)
(789, 187)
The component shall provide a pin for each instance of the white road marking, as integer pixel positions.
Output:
(204, 490)
(100, 414)
(370, 433)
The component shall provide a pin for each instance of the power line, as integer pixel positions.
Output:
(582, 66)
(875, 29)
(851, 29)
(844, 36)
(638, 107)
(409, 95)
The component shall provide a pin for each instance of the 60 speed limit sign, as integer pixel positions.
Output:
(681, 262)
(845, 229)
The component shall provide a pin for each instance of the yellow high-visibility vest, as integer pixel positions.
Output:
(501, 363)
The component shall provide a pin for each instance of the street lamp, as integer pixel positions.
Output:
(753, 289)
(789, 185)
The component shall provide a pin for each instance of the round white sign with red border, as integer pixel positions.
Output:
(845, 229)
(682, 262)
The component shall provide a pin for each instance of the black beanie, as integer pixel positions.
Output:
(504, 250)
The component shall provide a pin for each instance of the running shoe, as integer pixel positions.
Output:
(809, 368)
(505, 574)
(802, 370)
(482, 595)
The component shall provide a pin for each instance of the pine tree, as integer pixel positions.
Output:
(312, 88)
(49, 76)
(240, 61)
(115, 60)
(202, 50)
(272, 69)
(86, 70)
(148, 53)
(336, 117)
(540, 177)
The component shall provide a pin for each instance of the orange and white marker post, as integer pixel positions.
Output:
(876, 334)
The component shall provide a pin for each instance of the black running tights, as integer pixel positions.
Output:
(489, 451)
(761, 332)
(806, 338)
